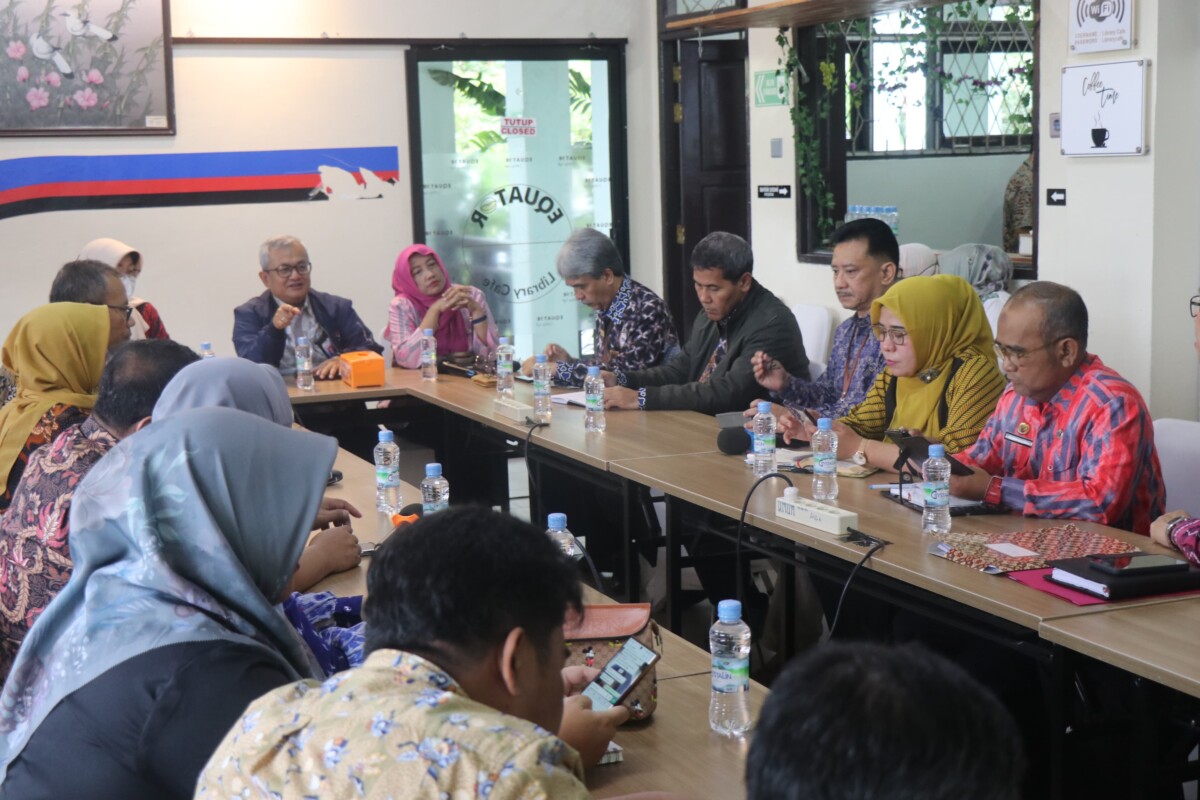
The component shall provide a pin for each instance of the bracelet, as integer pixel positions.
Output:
(481, 319)
(995, 490)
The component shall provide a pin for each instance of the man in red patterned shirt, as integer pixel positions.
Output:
(1070, 439)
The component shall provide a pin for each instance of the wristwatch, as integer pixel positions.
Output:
(1172, 525)
(860, 456)
(994, 489)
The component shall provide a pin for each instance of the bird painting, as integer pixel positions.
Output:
(48, 52)
(85, 27)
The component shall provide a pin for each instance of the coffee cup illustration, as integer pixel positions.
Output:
(1099, 137)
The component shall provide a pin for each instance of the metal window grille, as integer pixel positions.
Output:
(954, 79)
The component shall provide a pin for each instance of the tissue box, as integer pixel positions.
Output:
(361, 369)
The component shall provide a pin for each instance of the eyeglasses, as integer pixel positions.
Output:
(1017, 355)
(1194, 305)
(286, 270)
(897, 335)
(126, 310)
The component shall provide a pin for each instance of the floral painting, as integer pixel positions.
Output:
(86, 67)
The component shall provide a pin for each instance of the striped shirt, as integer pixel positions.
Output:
(970, 399)
(1090, 452)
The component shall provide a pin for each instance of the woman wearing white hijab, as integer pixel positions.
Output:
(183, 538)
(147, 324)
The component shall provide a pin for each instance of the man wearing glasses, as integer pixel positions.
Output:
(1070, 439)
(265, 328)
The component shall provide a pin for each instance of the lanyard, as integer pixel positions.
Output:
(853, 364)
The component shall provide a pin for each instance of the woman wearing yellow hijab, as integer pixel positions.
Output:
(57, 353)
(940, 378)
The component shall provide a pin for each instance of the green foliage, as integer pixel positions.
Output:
(479, 91)
(581, 93)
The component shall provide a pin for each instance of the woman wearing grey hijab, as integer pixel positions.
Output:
(183, 538)
(988, 269)
(259, 390)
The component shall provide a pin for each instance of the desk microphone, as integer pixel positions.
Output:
(733, 441)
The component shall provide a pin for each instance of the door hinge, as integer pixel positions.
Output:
(678, 112)
(680, 235)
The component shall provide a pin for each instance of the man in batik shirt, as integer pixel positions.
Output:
(35, 561)
(461, 689)
(1070, 438)
(634, 329)
(865, 263)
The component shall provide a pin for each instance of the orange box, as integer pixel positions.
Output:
(363, 368)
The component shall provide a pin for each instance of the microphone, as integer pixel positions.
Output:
(733, 441)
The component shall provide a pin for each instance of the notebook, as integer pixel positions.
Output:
(572, 398)
(1078, 573)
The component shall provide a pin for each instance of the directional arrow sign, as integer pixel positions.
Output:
(1056, 197)
(770, 89)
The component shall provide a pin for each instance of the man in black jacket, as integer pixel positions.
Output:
(265, 328)
(714, 373)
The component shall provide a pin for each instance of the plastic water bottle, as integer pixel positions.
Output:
(824, 447)
(304, 364)
(593, 393)
(428, 355)
(504, 369)
(435, 490)
(556, 529)
(936, 474)
(206, 350)
(541, 389)
(892, 217)
(729, 643)
(764, 440)
(387, 474)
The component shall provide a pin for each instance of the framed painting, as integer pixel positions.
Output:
(90, 67)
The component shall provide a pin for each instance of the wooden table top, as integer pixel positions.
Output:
(1159, 642)
(628, 435)
(719, 483)
(675, 750)
(397, 382)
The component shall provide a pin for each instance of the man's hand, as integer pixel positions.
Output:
(329, 369)
(791, 427)
(576, 679)
(769, 373)
(334, 511)
(970, 487)
(556, 352)
(588, 731)
(1158, 528)
(609, 378)
(527, 366)
(284, 316)
(621, 397)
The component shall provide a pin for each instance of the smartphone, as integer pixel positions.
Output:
(368, 548)
(1137, 564)
(621, 675)
(335, 476)
(896, 435)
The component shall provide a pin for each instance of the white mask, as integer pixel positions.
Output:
(129, 281)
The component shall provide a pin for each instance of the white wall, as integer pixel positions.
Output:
(943, 202)
(201, 260)
(1129, 237)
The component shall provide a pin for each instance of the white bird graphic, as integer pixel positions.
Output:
(48, 52)
(85, 27)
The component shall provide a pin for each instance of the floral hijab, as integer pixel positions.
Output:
(185, 532)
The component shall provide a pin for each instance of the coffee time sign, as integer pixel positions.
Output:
(1104, 109)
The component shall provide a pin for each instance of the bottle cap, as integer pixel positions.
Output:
(825, 424)
(540, 358)
(729, 610)
(301, 340)
(386, 436)
(206, 345)
(433, 470)
(428, 331)
(937, 451)
(593, 372)
(557, 522)
(503, 340)
(764, 406)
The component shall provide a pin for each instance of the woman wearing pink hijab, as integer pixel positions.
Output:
(425, 298)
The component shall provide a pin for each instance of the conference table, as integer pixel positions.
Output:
(674, 749)
(675, 452)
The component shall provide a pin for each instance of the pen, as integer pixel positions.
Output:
(877, 486)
